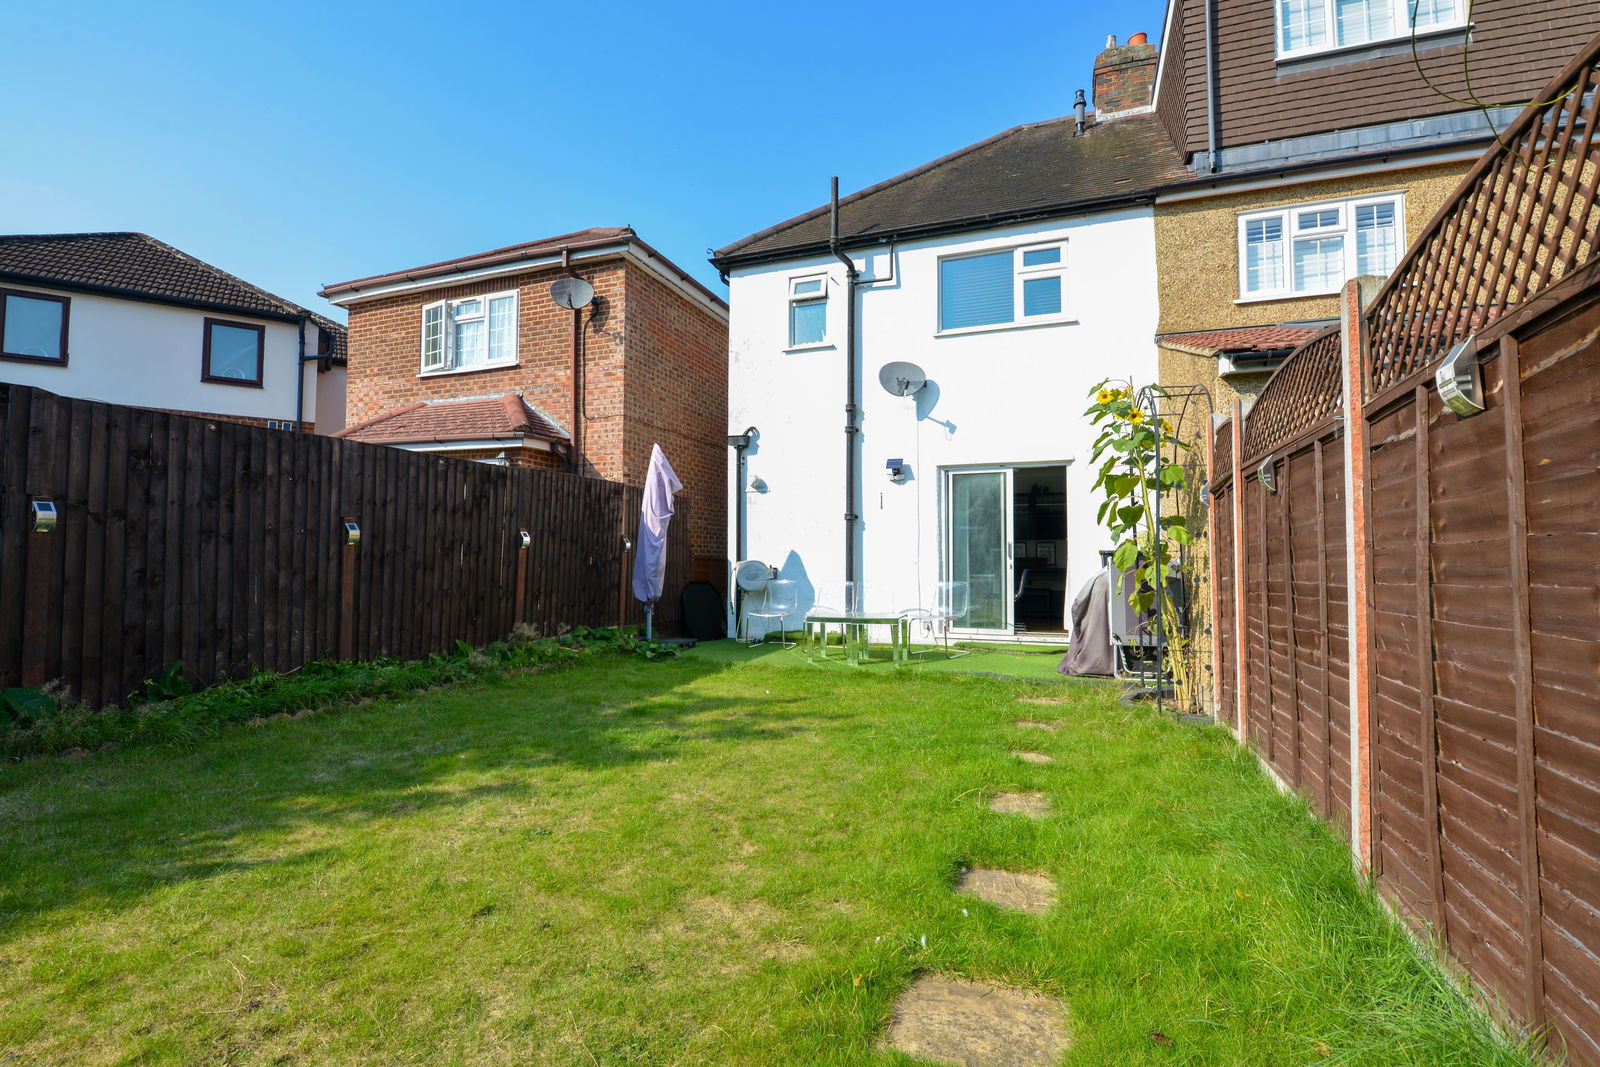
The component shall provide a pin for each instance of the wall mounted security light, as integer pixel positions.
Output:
(1267, 476)
(352, 533)
(758, 484)
(740, 441)
(44, 516)
(896, 468)
(1459, 380)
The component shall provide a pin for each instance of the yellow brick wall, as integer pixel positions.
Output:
(1197, 246)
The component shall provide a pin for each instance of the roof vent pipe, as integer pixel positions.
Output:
(1080, 107)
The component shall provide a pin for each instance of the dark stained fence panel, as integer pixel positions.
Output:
(222, 546)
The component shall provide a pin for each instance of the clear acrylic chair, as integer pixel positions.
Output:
(951, 602)
(779, 600)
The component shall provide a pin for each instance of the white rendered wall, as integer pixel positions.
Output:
(149, 355)
(1004, 396)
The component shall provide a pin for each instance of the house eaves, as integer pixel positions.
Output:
(142, 297)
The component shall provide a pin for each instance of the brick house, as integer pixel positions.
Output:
(473, 358)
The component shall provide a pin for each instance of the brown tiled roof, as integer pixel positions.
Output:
(479, 419)
(1242, 339)
(1039, 169)
(138, 265)
(577, 241)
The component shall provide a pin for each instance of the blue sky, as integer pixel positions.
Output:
(297, 144)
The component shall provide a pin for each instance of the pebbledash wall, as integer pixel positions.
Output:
(1000, 396)
(149, 355)
(654, 372)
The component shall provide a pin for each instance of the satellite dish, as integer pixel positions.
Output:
(572, 293)
(752, 575)
(902, 379)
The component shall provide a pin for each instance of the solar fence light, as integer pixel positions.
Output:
(352, 533)
(44, 516)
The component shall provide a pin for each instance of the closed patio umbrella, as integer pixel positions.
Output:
(655, 513)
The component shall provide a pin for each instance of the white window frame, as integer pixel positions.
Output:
(1289, 217)
(796, 298)
(447, 363)
(1019, 274)
(1399, 20)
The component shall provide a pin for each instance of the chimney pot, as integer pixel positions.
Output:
(1111, 40)
(1138, 38)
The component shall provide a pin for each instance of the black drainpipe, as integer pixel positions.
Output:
(300, 381)
(851, 409)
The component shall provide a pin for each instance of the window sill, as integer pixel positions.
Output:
(49, 361)
(1437, 37)
(214, 379)
(822, 346)
(1276, 297)
(967, 331)
(501, 365)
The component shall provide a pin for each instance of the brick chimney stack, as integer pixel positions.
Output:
(1124, 76)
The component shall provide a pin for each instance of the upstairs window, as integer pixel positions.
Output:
(808, 311)
(1306, 27)
(1017, 285)
(1311, 249)
(33, 326)
(232, 353)
(471, 333)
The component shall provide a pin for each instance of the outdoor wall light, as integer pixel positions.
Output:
(44, 516)
(758, 484)
(1459, 380)
(1267, 476)
(627, 544)
(524, 539)
(352, 533)
(896, 468)
(740, 440)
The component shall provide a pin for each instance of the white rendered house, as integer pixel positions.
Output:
(127, 319)
(1015, 274)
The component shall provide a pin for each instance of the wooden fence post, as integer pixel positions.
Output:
(1241, 644)
(1358, 563)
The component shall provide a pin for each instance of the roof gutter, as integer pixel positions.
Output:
(990, 219)
(144, 297)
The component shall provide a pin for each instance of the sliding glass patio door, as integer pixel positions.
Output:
(979, 546)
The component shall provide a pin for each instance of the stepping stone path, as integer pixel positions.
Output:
(1033, 805)
(1033, 757)
(1032, 893)
(1037, 725)
(946, 1020)
(1044, 700)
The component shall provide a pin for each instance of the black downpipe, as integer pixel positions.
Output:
(851, 407)
(300, 380)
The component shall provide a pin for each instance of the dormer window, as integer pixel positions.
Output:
(1307, 27)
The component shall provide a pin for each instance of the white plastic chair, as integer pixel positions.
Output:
(779, 600)
(952, 601)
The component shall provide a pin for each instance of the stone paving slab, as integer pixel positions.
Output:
(1032, 805)
(1038, 725)
(970, 1024)
(1032, 757)
(1032, 893)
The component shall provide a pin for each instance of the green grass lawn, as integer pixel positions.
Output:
(689, 862)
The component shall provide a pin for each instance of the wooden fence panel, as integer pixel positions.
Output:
(223, 546)
(1223, 627)
(1336, 590)
(1559, 389)
(1401, 756)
